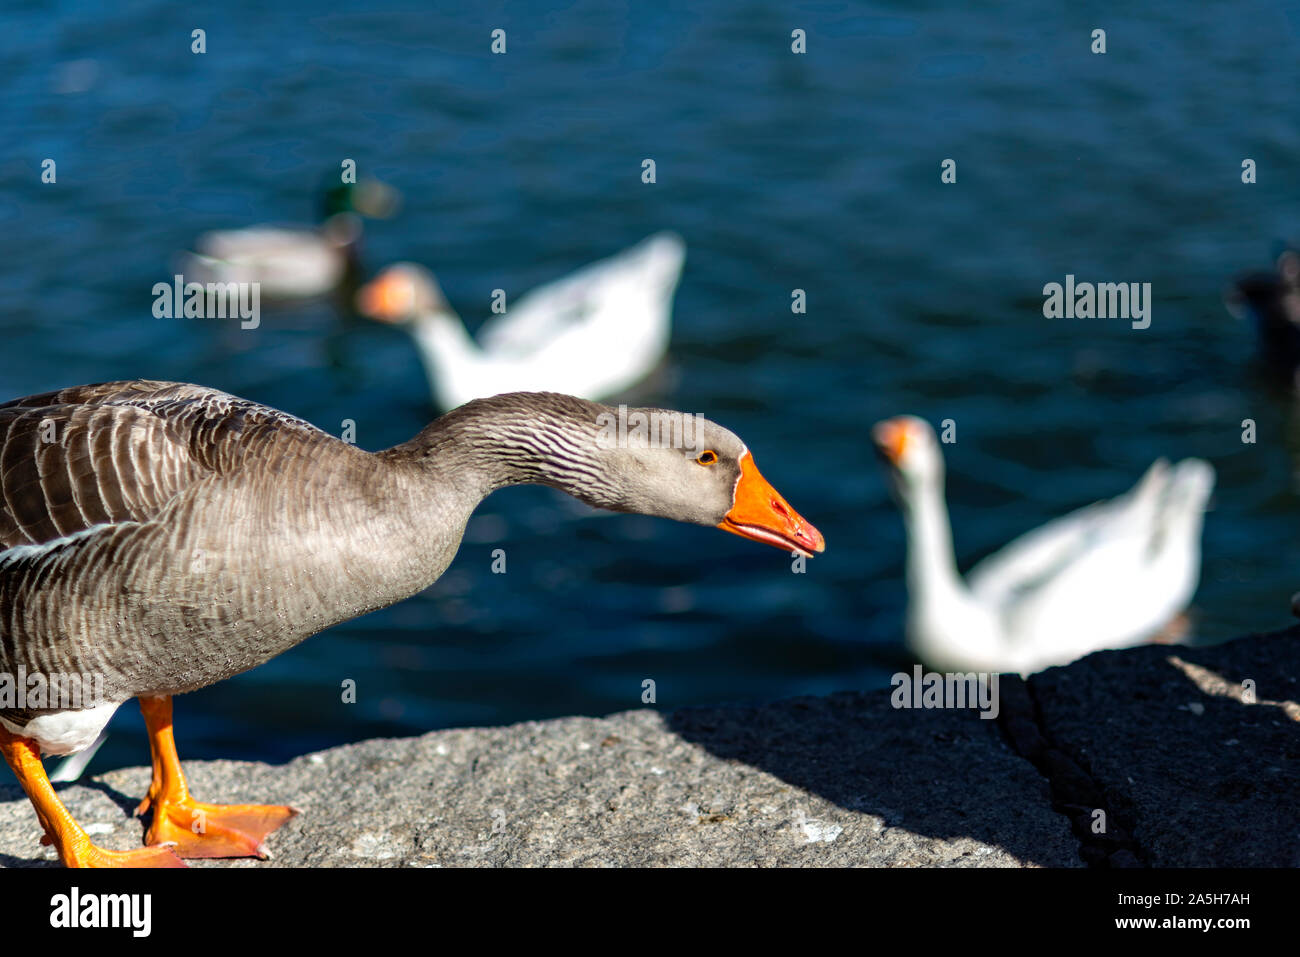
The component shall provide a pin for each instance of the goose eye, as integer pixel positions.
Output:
(707, 457)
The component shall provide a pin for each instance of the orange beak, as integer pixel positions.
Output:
(891, 437)
(386, 298)
(759, 512)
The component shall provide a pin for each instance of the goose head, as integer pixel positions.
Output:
(645, 461)
(401, 294)
(908, 447)
(711, 480)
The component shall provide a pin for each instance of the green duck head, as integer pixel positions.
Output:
(370, 197)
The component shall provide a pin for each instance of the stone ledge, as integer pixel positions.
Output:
(844, 780)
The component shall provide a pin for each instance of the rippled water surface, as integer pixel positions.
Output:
(818, 172)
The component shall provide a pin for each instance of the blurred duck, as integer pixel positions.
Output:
(294, 262)
(1110, 575)
(593, 334)
(1271, 301)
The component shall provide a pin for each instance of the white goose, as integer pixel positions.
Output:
(593, 334)
(1110, 575)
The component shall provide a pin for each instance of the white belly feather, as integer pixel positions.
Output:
(65, 732)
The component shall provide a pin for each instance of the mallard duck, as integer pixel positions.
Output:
(1110, 575)
(163, 536)
(593, 334)
(294, 262)
(1271, 301)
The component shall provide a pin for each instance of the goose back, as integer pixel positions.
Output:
(163, 536)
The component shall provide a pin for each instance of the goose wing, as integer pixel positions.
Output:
(1126, 576)
(1035, 557)
(647, 272)
(101, 455)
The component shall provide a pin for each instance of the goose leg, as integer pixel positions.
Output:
(198, 829)
(73, 844)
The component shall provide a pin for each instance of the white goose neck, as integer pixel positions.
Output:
(931, 565)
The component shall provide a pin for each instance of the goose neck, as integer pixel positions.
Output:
(931, 566)
(513, 439)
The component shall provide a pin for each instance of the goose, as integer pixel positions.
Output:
(594, 334)
(294, 262)
(1271, 301)
(162, 536)
(1110, 575)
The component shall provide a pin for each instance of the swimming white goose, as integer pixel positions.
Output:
(593, 334)
(294, 262)
(1107, 576)
(163, 536)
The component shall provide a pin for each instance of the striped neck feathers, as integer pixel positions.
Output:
(567, 443)
(522, 438)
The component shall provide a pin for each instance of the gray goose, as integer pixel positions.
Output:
(159, 537)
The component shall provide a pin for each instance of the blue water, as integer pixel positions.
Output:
(818, 172)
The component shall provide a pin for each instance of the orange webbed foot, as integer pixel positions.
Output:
(215, 830)
(74, 845)
(194, 828)
(86, 854)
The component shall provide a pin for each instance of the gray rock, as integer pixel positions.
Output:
(1195, 774)
(1159, 736)
(844, 780)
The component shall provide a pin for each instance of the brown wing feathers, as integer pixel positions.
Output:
(120, 452)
